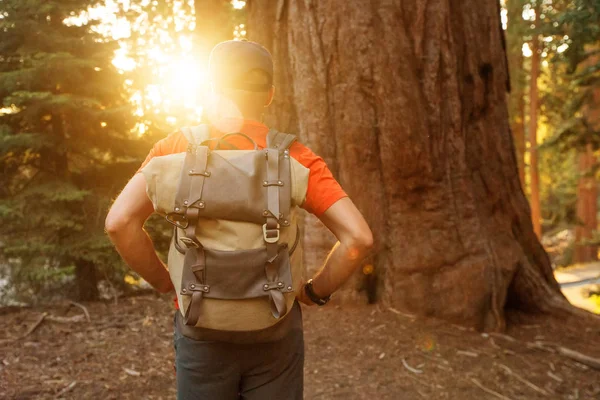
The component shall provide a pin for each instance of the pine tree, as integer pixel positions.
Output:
(64, 145)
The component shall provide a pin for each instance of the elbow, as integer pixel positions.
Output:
(115, 223)
(361, 244)
(365, 241)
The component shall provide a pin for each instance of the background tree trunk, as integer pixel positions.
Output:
(86, 280)
(587, 197)
(518, 129)
(406, 101)
(516, 27)
(587, 186)
(536, 212)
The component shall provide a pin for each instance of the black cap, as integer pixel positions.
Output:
(232, 61)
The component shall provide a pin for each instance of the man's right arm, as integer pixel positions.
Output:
(125, 227)
(355, 241)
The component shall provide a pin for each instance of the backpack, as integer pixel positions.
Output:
(235, 257)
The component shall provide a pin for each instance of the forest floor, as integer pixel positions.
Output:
(125, 351)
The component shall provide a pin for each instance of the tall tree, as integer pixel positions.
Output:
(515, 36)
(64, 148)
(587, 208)
(534, 173)
(587, 187)
(406, 101)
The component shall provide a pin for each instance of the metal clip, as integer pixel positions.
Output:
(178, 220)
(267, 232)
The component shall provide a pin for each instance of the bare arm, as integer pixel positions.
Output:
(125, 227)
(355, 240)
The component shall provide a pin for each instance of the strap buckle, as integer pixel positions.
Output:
(268, 234)
(180, 221)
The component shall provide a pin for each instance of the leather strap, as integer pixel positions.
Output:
(184, 181)
(193, 277)
(198, 174)
(285, 194)
(271, 233)
(279, 140)
(271, 227)
(282, 142)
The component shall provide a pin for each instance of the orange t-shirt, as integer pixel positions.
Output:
(323, 190)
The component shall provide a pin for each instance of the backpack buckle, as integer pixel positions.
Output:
(180, 221)
(270, 235)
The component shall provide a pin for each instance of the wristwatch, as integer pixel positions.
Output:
(308, 289)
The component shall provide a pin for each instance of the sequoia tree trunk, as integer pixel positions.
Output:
(406, 101)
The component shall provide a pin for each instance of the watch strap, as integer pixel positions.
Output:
(308, 288)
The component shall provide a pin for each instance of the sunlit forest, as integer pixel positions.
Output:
(467, 133)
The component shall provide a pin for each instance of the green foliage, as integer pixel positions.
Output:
(65, 146)
(579, 27)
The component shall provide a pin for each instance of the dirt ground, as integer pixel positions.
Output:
(361, 352)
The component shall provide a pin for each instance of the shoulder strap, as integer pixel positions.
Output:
(195, 135)
(280, 140)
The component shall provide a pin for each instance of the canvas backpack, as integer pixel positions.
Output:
(236, 255)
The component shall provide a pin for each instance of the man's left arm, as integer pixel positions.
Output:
(125, 227)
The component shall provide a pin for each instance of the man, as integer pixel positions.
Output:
(268, 363)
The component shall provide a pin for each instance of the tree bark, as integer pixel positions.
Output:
(587, 186)
(518, 128)
(406, 101)
(86, 280)
(587, 197)
(536, 214)
(515, 32)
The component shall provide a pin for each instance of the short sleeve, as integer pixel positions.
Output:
(174, 143)
(323, 189)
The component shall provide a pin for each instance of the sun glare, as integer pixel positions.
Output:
(527, 50)
(237, 4)
(159, 65)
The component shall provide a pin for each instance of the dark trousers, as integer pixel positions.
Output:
(215, 370)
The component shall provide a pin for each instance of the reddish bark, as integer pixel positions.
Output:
(587, 197)
(518, 129)
(514, 37)
(534, 184)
